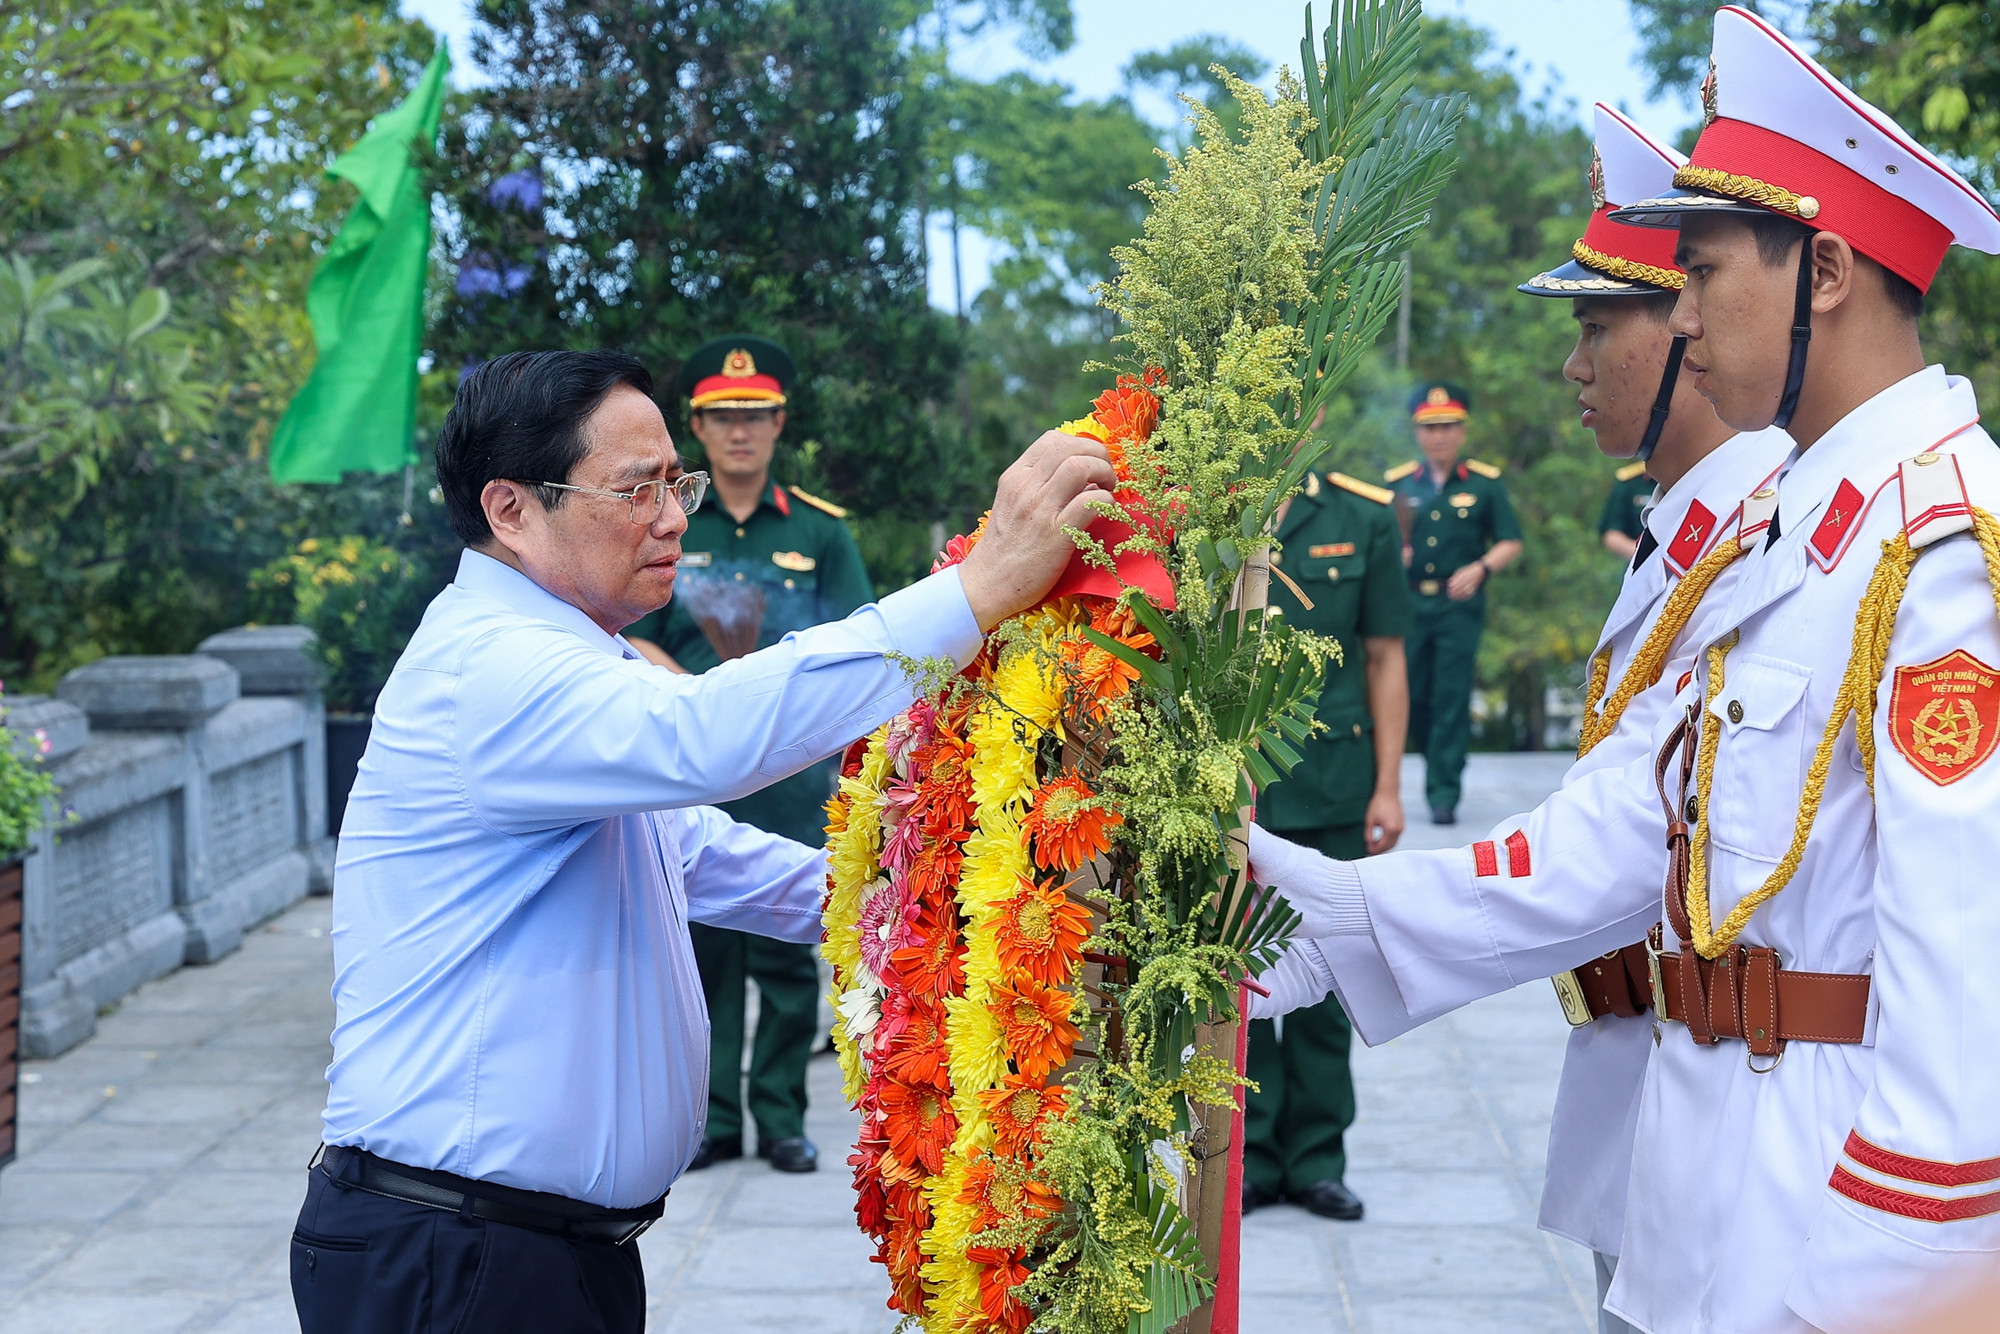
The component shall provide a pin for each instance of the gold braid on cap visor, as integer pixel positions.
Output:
(1631, 270)
(1748, 189)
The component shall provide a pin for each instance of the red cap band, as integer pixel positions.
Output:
(1651, 246)
(1885, 227)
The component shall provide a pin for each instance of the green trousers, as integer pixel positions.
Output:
(1295, 1124)
(787, 981)
(1443, 649)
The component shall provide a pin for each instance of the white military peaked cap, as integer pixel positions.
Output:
(1784, 136)
(1615, 258)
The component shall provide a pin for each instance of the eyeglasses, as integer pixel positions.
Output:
(648, 499)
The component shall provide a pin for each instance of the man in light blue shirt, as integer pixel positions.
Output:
(521, 1049)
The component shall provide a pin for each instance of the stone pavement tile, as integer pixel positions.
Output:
(135, 1027)
(45, 1102)
(1379, 1141)
(1475, 1315)
(202, 990)
(764, 1198)
(256, 1065)
(760, 1313)
(27, 1249)
(153, 1259)
(263, 1146)
(160, 1103)
(1442, 1260)
(99, 1313)
(92, 1066)
(30, 1195)
(293, 1031)
(204, 1197)
(270, 1313)
(102, 1145)
(1266, 1313)
(1439, 1198)
(1287, 1250)
(829, 1257)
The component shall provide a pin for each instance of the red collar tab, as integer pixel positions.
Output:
(1696, 530)
(1841, 519)
(782, 501)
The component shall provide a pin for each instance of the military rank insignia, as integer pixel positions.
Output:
(1944, 715)
(1326, 549)
(797, 562)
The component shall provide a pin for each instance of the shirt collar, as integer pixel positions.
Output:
(495, 580)
(1910, 415)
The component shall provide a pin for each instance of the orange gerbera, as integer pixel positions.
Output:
(1000, 1271)
(934, 872)
(920, 1122)
(934, 968)
(1034, 1019)
(947, 789)
(1068, 830)
(1041, 933)
(1128, 412)
(918, 1055)
(1005, 1193)
(1018, 1109)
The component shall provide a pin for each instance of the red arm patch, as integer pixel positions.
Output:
(1944, 715)
(1485, 859)
(1517, 854)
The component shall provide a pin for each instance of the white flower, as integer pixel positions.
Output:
(860, 1010)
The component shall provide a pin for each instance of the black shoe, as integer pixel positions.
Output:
(1443, 815)
(795, 1154)
(715, 1151)
(1330, 1199)
(1255, 1197)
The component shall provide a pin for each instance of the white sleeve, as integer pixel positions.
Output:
(552, 731)
(1908, 1231)
(739, 877)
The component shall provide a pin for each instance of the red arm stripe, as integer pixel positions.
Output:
(1920, 1169)
(1485, 861)
(1517, 854)
(1923, 1208)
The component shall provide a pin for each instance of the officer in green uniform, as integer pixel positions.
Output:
(1624, 517)
(1340, 544)
(1459, 531)
(760, 561)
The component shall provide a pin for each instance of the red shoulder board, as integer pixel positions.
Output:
(781, 500)
(1944, 715)
(1692, 538)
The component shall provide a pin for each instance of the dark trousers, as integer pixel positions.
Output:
(1294, 1125)
(1443, 650)
(787, 979)
(367, 1264)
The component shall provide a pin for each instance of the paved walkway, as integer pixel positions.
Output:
(162, 1160)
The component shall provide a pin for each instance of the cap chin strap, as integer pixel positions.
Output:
(1663, 401)
(1795, 372)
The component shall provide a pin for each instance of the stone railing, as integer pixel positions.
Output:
(196, 792)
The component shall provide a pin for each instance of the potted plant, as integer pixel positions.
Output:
(363, 600)
(25, 793)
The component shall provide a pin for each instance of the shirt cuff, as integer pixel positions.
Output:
(932, 619)
(1347, 904)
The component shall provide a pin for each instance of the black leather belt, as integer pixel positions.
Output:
(531, 1209)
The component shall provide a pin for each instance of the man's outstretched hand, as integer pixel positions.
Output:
(1025, 550)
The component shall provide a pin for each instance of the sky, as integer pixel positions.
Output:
(1583, 51)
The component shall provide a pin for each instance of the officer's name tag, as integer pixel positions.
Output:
(695, 560)
(793, 560)
(1330, 549)
(1462, 499)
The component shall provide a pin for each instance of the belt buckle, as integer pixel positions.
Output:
(1653, 974)
(1750, 1057)
(1569, 992)
(1427, 588)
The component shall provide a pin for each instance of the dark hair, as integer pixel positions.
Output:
(520, 417)
(1658, 306)
(1777, 235)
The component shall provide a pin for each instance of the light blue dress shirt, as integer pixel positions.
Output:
(526, 842)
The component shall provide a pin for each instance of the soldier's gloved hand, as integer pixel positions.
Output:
(1299, 978)
(1325, 892)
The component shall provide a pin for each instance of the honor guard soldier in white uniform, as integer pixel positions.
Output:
(1622, 284)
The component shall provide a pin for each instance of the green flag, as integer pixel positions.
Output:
(358, 410)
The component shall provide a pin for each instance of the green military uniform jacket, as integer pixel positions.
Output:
(1625, 507)
(742, 587)
(1339, 543)
(1449, 527)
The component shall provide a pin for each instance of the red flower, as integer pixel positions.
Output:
(1035, 1022)
(1067, 825)
(918, 1055)
(934, 967)
(1000, 1271)
(920, 1122)
(1018, 1109)
(1041, 933)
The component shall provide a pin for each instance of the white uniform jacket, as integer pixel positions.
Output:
(1434, 910)
(1855, 1188)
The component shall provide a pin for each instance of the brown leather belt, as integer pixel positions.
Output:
(1745, 994)
(1617, 983)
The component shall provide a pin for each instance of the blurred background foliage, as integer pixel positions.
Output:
(650, 175)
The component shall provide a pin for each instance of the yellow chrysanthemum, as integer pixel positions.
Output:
(1027, 684)
(1003, 757)
(953, 1279)
(978, 1053)
(874, 773)
(1088, 427)
(853, 1079)
(996, 861)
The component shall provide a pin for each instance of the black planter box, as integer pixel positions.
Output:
(10, 1006)
(346, 738)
